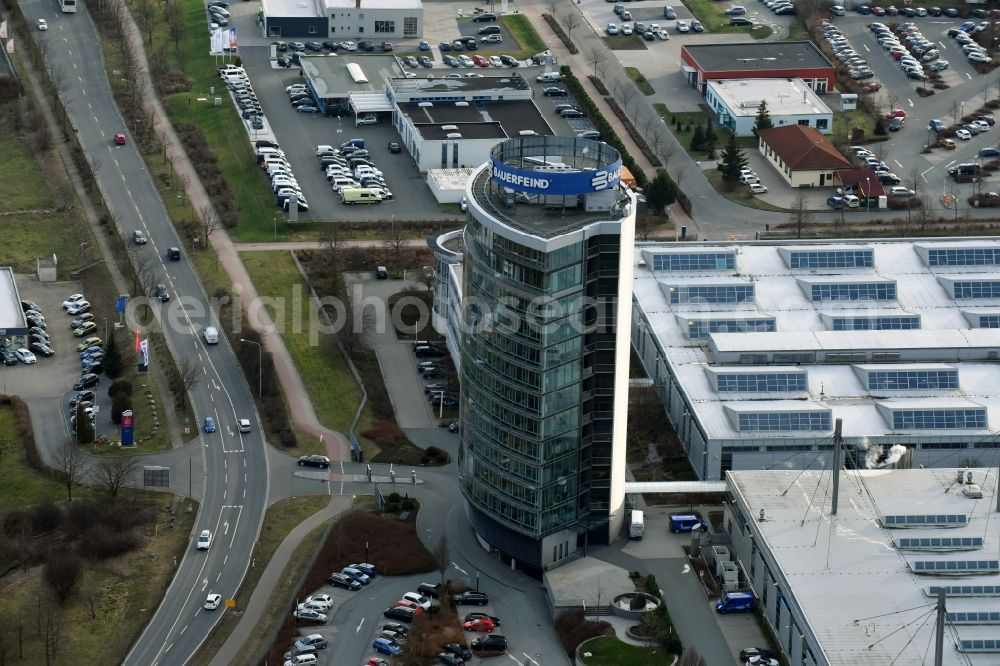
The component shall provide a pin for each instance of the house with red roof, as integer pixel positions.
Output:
(802, 155)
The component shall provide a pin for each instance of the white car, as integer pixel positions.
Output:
(309, 614)
(963, 134)
(25, 356)
(213, 601)
(204, 540)
(302, 660)
(900, 191)
(418, 599)
(663, 35)
(313, 605)
(78, 307)
(757, 188)
(324, 600)
(682, 26)
(612, 29)
(626, 29)
(495, 61)
(749, 178)
(75, 298)
(42, 25)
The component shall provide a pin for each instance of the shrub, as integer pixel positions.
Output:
(101, 543)
(62, 572)
(45, 518)
(573, 628)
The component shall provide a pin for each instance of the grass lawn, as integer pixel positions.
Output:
(280, 519)
(797, 32)
(523, 32)
(845, 121)
(712, 15)
(610, 651)
(688, 121)
(640, 81)
(113, 599)
(739, 194)
(330, 384)
(625, 43)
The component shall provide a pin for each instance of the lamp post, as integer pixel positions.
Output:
(868, 196)
(274, 218)
(260, 367)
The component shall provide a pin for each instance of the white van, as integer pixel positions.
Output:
(549, 77)
(341, 182)
(636, 525)
(211, 335)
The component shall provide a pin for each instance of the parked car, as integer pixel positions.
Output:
(314, 461)
(309, 615)
(470, 599)
(400, 613)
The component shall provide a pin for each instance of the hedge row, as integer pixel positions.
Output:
(601, 124)
(560, 33)
(634, 133)
(26, 433)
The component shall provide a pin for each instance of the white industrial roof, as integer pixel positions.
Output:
(374, 4)
(11, 315)
(291, 8)
(856, 590)
(946, 334)
(784, 97)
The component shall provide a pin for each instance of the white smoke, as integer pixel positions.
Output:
(872, 456)
(877, 458)
(895, 453)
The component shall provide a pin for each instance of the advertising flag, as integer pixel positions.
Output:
(128, 428)
(144, 356)
(232, 38)
(10, 45)
(3, 30)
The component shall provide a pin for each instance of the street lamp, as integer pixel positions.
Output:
(274, 218)
(260, 366)
(868, 197)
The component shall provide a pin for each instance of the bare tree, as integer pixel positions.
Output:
(210, 223)
(50, 629)
(62, 572)
(71, 463)
(923, 214)
(120, 18)
(891, 98)
(596, 56)
(618, 87)
(427, 277)
(571, 20)
(443, 557)
(630, 95)
(691, 658)
(146, 267)
(394, 241)
(147, 15)
(186, 379)
(955, 111)
(552, 5)
(332, 242)
(115, 473)
(799, 214)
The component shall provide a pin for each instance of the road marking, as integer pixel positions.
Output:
(949, 164)
(910, 101)
(530, 659)
(225, 527)
(898, 164)
(204, 584)
(513, 658)
(237, 525)
(225, 560)
(866, 48)
(218, 577)
(968, 76)
(225, 462)
(183, 630)
(359, 625)
(463, 571)
(923, 174)
(168, 649)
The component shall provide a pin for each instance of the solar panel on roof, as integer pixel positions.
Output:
(941, 543)
(926, 520)
(956, 567)
(965, 590)
(981, 645)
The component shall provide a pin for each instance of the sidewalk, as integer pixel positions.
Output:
(231, 650)
(302, 413)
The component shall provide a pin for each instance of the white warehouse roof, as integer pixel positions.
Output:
(839, 311)
(865, 590)
(784, 97)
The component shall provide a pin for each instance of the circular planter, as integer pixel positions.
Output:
(632, 605)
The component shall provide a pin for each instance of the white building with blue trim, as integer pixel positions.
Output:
(736, 103)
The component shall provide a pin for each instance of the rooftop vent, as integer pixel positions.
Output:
(447, 128)
(453, 135)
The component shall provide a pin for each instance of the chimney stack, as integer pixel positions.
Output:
(838, 444)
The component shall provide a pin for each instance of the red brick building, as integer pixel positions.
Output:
(767, 60)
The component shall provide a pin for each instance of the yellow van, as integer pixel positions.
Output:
(359, 195)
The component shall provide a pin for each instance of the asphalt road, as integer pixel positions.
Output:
(235, 482)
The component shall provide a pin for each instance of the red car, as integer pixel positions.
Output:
(406, 603)
(376, 661)
(895, 113)
(878, 11)
(119, 139)
(874, 86)
(481, 61)
(479, 624)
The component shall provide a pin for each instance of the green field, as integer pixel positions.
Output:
(610, 651)
(640, 81)
(712, 15)
(523, 32)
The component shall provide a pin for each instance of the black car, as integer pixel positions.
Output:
(314, 46)
(314, 461)
(37, 339)
(428, 351)
(449, 659)
(34, 321)
(510, 61)
(951, 12)
(763, 653)
(740, 21)
(458, 650)
(470, 599)
(432, 590)
(400, 629)
(8, 357)
(393, 147)
(30, 305)
(82, 396)
(425, 62)
(92, 367)
(555, 92)
(86, 382)
(401, 613)
(340, 580)
(283, 62)
(330, 46)
(495, 644)
(934, 11)
(650, 37)
(365, 45)
(41, 332)
(162, 293)
(485, 17)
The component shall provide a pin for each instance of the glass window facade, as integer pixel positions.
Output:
(864, 258)
(532, 459)
(980, 645)
(699, 329)
(899, 380)
(694, 261)
(776, 421)
(977, 289)
(854, 291)
(941, 543)
(956, 566)
(767, 382)
(973, 256)
(966, 591)
(878, 323)
(939, 419)
(712, 293)
(926, 520)
(989, 321)
(974, 617)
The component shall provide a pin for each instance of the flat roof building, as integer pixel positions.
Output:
(12, 321)
(859, 588)
(701, 63)
(736, 103)
(377, 20)
(351, 83)
(756, 348)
